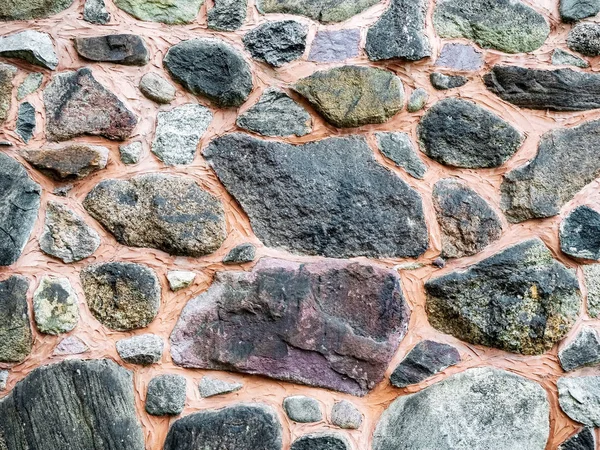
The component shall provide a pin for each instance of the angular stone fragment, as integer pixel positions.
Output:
(417, 100)
(240, 254)
(31, 46)
(209, 387)
(560, 57)
(31, 84)
(301, 342)
(583, 440)
(73, 404)
(592, 283)
(323, 11)
(7, 73)
(276, 114)
(313, 200)
(156, 88)
(580, 233)
(574, 10)
(424, 360)
(144, 349)
(225, 77)
(227, 15)
(171, 12)
(25, 121)
(345, 415)
(334, 45)
(71, 345)
(443, 82)
(94, 11)
(321, 441)
(76, 105)
(399, 148)
(277, 43)
(506, 25)
(31, 9)
(131, 153)
(166, 212)
(241, 426)
(351, 96)
(460, 133)
(579, 398)
(467, 222)
(302, 409)
(543, 185)
(127, 49)
(3, 379)
(19, 205)
(180, 279)
(122, 296)
(16, 339)
(584, 350)
(460, 57)
(400, 32)
(584, 38)
(166, 395)
(519, 300)
(178, 133)
(478, 409)
(55, 306)
(73, 162)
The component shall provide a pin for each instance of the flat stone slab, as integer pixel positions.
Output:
(334, 45)
(323, 11)
(584, 38)
(173, 12)
(166, 395)
(579, 398)
(32, 9)
(16, 339)
(209, 387)
(126, 49)
(32, 46)
(68, 163)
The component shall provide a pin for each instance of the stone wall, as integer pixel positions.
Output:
(299, 224)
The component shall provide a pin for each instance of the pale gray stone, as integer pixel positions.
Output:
(417, 100)
(55, 306)
(579, 398)
(334, 45)
(302, 409)
(94, 11)
(443, 82)
(32, 46)
(345, 414)
(70, 345)
(143, 349)
(583, 350)
(32, 83)
(399, 148)
(156, 88)
(460, 57)
(179, 279)
(209, 387)
(131, 153)
(240, 254)
(166, 395)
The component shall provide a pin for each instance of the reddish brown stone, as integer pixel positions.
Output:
(68, 163)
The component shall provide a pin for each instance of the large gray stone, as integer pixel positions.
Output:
(166, 395)
(574, 10)
(584, 350)
(277, 43)
(126, 49)
(143, 349)
(16, 340)
(327, 198)
(334, 45)
(227, 15)
(323, 11)
(173, 12)
(478, 409)
(69, 163)
(398, 147)
(55, 306)
(579, 398)
(7, 74)
(585, 39)
(31, 9)
(579, 233)
(30, 45)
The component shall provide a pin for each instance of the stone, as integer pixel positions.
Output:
(209, 387)
(157, 89)
(321, 441)
(301, 342)
(69, 163)
(143, 349)
(345, 415)
(131, 153)
(460, 133)
(478, 409)
(66, 235)
(241, 426)
(319, 10)
(277, 43)
(510, 26)
(398, 147)
(460, 57)
(583, 350)
(584, 38)
(62, 191)
(174, 12)
(126, 49)
(561, 57)
(438, 262)
(583, 440)
(19, 205)
(334, 45)
(30, 84)
(122, 296)
(225, 79)
(519, 300)
(178, 133)
(579, 233)
(592, 282)
(400, 32)
(302, 409)
(558, 90)
(3, 379)
(25, 121)
(16, 340)
(424, 360)
(313, 200)
(542, 186)
(166, 395)
(32, 9)
(76, 105)
(7, 73)
(240, 254)
(31, 46)
(443, 82)
(579, 398)
(72, 404)
(417, 100)
(70, 345)
(467, 222)
(180, 279)
(276, 114)
(351, 96)
(94, 11)
(227, 15)
(55, 306)
(6, 144)
(166, 212)
(574, 10)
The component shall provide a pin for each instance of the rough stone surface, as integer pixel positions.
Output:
(157, 89)
(94, 11)
(166, 212)
(584, 350)
(131, 153)
(579, 398)
(592, 283)
(506, 25)
(127, 49)
(460, 57)
(460, 133)
(566, 161)
(321, 441)
(241, 426)
(478, 409)
(180, 279)
(26, 121)
(277, 43)
(76, 105)
(334, 45)
(32, 9)
(276, 114)
(345, 415)
(467, 222)
(313, 200)
(417, 100)
(178, 133)
(211, 68)
(7, 73)
(561, 57)
(209, 387)
(19, 205)
(326, 12)
(143, 349)
(87, 404)
(302, 409)
(400, 32)
(122, 296)
(398, 147)
(351, 96)
(70, 345)
(73, 162)
(424, 360)
(583, 440)
(579, 233)
(16, 339)
(585, 39)
(301, 341)
(3, 379)
(240, 254)
(520, 300)
(55, 306)
(171, 12)
(166, 395)
(443, 82)
(574, 10)
(227, 15)
(31, 84)
(31, 46)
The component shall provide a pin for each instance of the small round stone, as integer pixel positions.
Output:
(345, 415)
(166, 395)
(156, 88)
(302, 409)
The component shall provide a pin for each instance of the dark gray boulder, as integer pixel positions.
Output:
(311, 198)
(166, 395)
(584, 350)
(579, 233)
(321, 441)
(277, 43)
(574, 10)
(444, 82)
(583, 440)
(323, 11)
(579, 398)
(585, 39)
(16, 339)
(227, 15)
(25, 121)
(143, 349)
(127, 49)
(240, 254)
(398, 147)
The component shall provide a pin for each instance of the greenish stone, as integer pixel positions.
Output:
(31, 84)
(165, 11)
(31, 9)
(325, 11)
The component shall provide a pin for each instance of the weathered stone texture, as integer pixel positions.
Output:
(209, 387)
(227, 15)
(585, 39)
(16, 339)
(70, 163)
(7, 73)
(166, 395)
(460, 57)
(579, 398)
(25, 121)
(94, 11)
(334, 45)
(591, 274)
(444, 82)
(55, 306)
(417, 100)
(32, 9)
(180, 279)
(127, 49)
(574, 10)
(345, 414)
(323, 11)
(302, 409)
(143, 349)
(156, 88)
(584, 440)
(240, 254)
(579, 233)
(30, 84)
(584, 350)
(32, 46)
(277, 43)
(171, 12)
(561, 57)
(321, 441)
(398, 147)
